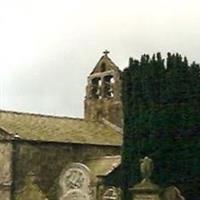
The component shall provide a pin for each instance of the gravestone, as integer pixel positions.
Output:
(111, 193)
(146, 189)
(75, 183)
(172, 193)
(75, 194)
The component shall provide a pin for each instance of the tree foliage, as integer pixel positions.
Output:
(161, 103)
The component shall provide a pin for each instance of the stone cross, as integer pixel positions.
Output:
(106, 52)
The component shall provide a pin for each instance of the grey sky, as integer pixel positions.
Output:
(48, 47)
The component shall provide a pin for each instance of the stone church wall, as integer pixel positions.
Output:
(44, 162)
(5, 170)
(109, 109)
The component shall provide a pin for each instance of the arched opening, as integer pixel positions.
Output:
(96, 88)
(108, 82)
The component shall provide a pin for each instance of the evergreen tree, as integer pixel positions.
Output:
(162, 120)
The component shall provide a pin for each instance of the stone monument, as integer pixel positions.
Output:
(75, 183)
(146, 189)
(172, 193)
(111, 193)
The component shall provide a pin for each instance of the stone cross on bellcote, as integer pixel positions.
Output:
(106, 52)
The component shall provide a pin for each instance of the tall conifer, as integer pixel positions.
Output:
(162, 120)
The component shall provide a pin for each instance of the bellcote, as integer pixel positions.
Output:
(103, 92)
(104, 80)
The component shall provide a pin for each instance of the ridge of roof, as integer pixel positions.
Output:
(39, 115)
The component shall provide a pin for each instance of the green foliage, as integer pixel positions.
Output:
(161, 102)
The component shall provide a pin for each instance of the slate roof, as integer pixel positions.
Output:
(58, 129)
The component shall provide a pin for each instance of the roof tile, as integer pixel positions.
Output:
(58, 129)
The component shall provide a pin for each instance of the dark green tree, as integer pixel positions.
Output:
(161, 104)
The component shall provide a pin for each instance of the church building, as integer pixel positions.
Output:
(61, 158)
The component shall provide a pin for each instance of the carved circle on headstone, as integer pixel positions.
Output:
(75, 181)
(111, 193)
(75, 194)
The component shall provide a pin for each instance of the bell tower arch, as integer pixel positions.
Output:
(103, 92)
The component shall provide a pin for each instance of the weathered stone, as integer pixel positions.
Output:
(48, 161)
(45, 145)
(111, 193)
(103, 93)
(146, 197)
(146, 190)
(5, 194)
(5, 170)
(75, 181)
(172, 193)
(146, 167)
(5, 162)
(75, 194)
(31, 191)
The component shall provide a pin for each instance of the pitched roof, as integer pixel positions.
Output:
(108, 64)
(102, 166)
(58, 129)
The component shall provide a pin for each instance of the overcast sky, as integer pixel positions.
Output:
(48, 47)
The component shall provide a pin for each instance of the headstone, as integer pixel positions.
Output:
(172, 193)
(146, 190)
(75, 194)
(75, 183)
(111, 193)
